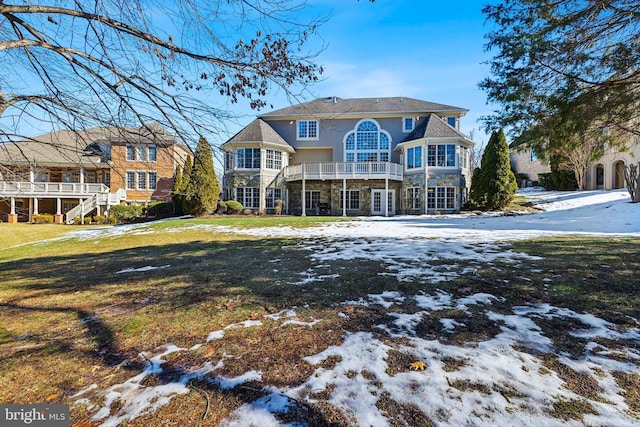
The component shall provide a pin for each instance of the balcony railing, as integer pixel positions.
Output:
(44, 189)
(344, 170)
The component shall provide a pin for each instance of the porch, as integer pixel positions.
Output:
(58, 198)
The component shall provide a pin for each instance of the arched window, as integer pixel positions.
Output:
(367, 143)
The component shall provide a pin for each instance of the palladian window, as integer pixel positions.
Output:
(367, 143)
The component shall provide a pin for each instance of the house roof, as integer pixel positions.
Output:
(338, 106)
(258, 131)
(433, 126)
(68, 147)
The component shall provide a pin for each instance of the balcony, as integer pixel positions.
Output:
(50, 189)
(343, 170)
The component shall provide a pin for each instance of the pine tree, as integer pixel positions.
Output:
(493, 184)
(176, 196)
(203, 189)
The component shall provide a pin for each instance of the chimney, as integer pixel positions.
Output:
(335, 99)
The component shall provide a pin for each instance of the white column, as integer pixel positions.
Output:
(304, 188)
(81, 211)
(35, 206)
(426, 177)
(344, 197)
(386, 196)
(32, 174)
(81, 175)
(13, 206)
(58, 206)
(30, 208)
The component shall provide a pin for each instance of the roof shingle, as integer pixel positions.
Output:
(258, 131)
(340, 106)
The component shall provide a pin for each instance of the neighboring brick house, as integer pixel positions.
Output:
(373, 153)
(606, 173)
(71, 174)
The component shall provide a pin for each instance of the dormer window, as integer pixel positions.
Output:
(307, 129)
(408, 124)
(452, 122)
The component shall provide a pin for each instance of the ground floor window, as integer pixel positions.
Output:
(413, 198)
(353, 199)
(312, 199)
(273, 194)
(441, 198)
(131, 180)
(153, 180)
(249, 197)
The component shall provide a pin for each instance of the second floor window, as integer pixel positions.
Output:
(441, 155)
(407, 124)
(142, 153)
(248, 158)
(131, 153)
(307, 129)
(273, 159)
(452, 122)
(153, 153)
(367, 143)
(414, 157)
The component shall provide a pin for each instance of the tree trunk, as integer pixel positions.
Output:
(632, 179)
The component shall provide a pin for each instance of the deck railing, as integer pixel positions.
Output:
(344, 170)
(74, 189)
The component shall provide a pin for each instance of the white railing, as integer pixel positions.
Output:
(82, 209)
(342, 170)
(8, 188)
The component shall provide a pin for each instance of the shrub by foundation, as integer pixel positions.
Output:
(234, 207)
(42, 219)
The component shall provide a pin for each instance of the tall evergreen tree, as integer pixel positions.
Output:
(493, 184)
(203, 189)
(176, 197)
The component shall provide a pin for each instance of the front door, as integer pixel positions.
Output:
(378, 200)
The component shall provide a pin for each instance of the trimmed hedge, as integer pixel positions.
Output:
(234, 207)
(42, 219)
(160, 209)
(126, 213)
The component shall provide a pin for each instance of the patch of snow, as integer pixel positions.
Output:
(147, 268)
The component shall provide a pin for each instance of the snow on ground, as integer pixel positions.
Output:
(499, 381)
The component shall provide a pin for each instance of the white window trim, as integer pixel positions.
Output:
(455, 156)
(455, 121)
(235, 164)
(126, 153)
(349, 199)
(413, 124)
(126, 180)
(149, 156)
(356, 151)
(422, 158)
(299, 138)
(149, 181)
(137, 181)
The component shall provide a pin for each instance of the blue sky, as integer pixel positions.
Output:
(422, 49)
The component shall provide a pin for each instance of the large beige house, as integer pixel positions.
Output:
(73, 174)
(606, 173)
(360, 156)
